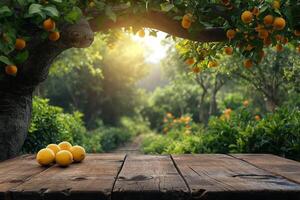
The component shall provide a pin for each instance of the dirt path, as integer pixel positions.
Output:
(132, 147)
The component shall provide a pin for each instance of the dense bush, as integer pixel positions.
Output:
(234, 131)
(50, 124)
(182, 135)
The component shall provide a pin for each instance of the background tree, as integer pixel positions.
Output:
(274, 77)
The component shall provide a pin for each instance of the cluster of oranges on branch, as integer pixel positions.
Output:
(260, 30)
(259, 25)
(63, 154)
(49, 25)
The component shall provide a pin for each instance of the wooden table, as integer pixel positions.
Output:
(145, 177)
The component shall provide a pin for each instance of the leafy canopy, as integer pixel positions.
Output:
(249, 25)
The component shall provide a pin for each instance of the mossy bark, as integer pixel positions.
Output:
(16, 92)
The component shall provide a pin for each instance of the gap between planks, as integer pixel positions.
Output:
(8, 194)
(117, 177)
(264, 169)
(181, 175)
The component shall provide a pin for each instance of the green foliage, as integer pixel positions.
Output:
(50, 124)
(100, 81)
(179, 97)
(277, 133)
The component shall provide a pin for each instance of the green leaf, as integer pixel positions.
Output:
(111, 15)
(51, 11)
(5, 60)
(21, 57)
(74, 15)
(166, 7)
(5, 12)
(35, 9)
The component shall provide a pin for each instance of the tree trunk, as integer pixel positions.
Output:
(271, 104)
(16, 92)
(15, 114)
(213, 103)
(201, 107)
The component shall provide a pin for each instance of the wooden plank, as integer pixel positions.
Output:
(217, 176)
(289, 169)
(149, 178)
(15, 171)
(92, 179)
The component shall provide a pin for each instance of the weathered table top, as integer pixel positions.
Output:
(144, 177)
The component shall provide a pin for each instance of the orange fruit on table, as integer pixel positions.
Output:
(268, 20)
(247, 17)
(228, 50)
(276, 4)
(263, 34)
(279, 23)
(20, 44)
(65, 145)
(54, 147)
(45, 157)
(248, 63)
(64, 158)
(11, 70)
(230, 34)
(54, 36)
(49, 24)
(78, 153)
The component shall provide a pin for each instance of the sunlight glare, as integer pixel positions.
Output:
(155, 51)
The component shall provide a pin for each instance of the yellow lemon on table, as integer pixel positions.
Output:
(78, 153)
(64, 158)
(54, 147)
(65, 145)
(45, 157)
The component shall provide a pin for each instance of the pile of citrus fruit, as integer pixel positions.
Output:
(63, 154)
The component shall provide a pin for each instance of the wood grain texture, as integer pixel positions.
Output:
(149, 178)
(289, 169)
(216, 176)
(92, 179)
(15, 171)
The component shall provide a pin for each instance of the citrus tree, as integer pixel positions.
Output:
(34, 32)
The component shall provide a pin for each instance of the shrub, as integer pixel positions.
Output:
(135, 126)
(235, 131)
(277, 133)
(50, 125)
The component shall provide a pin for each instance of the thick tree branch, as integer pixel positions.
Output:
(160, 21)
